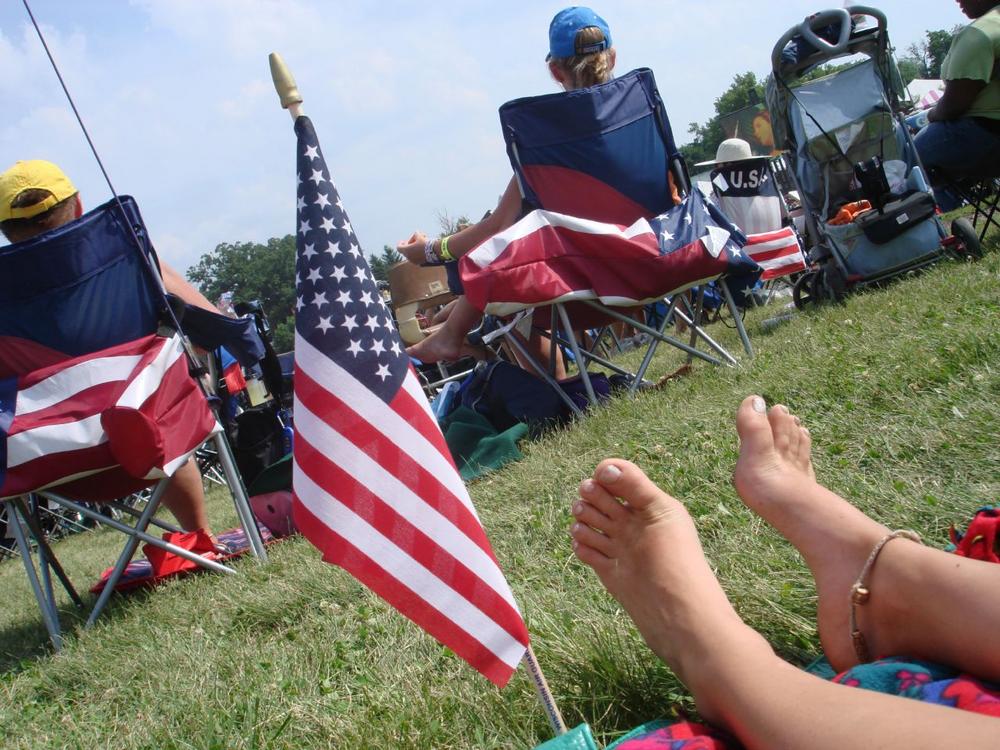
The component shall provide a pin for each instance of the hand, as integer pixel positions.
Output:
(413, 248)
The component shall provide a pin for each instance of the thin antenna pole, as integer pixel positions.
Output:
(70, 98)
(151, 267)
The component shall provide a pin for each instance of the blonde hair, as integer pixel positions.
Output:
(590, 69)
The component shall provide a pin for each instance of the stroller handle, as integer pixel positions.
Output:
(825, 18)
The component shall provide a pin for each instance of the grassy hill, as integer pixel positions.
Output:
(900, 388)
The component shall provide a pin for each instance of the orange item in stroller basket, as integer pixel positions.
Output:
(849, 212)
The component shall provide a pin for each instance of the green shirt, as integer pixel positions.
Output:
(973, 55)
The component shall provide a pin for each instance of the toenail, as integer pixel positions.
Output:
(577, 509)
(610, 473)
(587, 486)
(575, 544)
(797, 421)
(575, 528)
(758, 405)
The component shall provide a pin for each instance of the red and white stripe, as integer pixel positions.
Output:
(549, 257)
(778, 252)
(377, 491)
(57, 434)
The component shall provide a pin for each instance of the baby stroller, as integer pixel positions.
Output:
(870, 214)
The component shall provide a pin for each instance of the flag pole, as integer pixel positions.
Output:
(291, 99)
(545, 696)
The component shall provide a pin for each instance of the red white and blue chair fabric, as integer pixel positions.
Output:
(611, 220)
(748, 194)
(97, 399)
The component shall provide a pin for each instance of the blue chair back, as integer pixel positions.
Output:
(602, 153)
(80, 288)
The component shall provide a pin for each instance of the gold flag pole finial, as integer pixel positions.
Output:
(284, 84)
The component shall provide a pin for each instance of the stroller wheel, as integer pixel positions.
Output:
(970, 247)
(806, 290)
(834, 281)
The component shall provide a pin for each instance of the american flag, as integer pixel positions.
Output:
(778, 252)
(550, 257)
(375, 486)
(127, 406)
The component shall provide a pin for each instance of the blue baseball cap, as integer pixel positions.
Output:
(567, 24)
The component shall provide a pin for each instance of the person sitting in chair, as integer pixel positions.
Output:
(37, 197)
(963, 134)
(580, 55)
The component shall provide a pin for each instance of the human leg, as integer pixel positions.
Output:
(185, 498)
(924, 602)
(448, 342)
(644, 547)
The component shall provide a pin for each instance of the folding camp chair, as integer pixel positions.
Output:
(983, 194)
(606, 154)
(748, 193)
(97, 394)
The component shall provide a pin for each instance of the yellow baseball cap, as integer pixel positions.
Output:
(33, 175)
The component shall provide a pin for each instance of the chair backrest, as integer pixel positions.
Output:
(747, 193)
(602, 153)
(80, 288)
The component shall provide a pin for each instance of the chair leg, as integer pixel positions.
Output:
(737, 318)
(669, 339)
(247, 519)
(511, 339)
(46, 606)
(581, 363)
(47, 559)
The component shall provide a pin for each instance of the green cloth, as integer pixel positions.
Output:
(476, 445)
(973, 55)
(277, 476)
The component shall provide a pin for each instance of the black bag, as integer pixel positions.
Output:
(258, 440)
(896, 217)
(506, 394)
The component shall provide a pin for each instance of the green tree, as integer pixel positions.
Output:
(252, 271)
(923, 59)
(380, 264)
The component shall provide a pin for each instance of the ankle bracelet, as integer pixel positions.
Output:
(860, 592)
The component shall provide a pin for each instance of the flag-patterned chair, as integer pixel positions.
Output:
(747, 192)
(97, 399)
(606, 156)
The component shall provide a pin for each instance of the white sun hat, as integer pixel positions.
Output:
(730, 150)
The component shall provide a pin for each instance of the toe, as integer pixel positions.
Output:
(584, 536)
(627, 481)
(601, 499)
(753, 426)
(805, 449)
(600, 562)
(587, 514)
(783, 428)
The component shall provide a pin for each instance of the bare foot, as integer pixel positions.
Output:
(644, 547)
(441, 347)
(774, 477)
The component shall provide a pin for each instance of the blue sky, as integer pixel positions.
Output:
(178, 99)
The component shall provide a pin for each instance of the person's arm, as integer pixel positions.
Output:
(966, 70)
(958, 97)
(507, 212)
(177, 285)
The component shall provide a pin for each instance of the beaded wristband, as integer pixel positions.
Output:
(429, 255)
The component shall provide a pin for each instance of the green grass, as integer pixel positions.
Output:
(900, 388)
